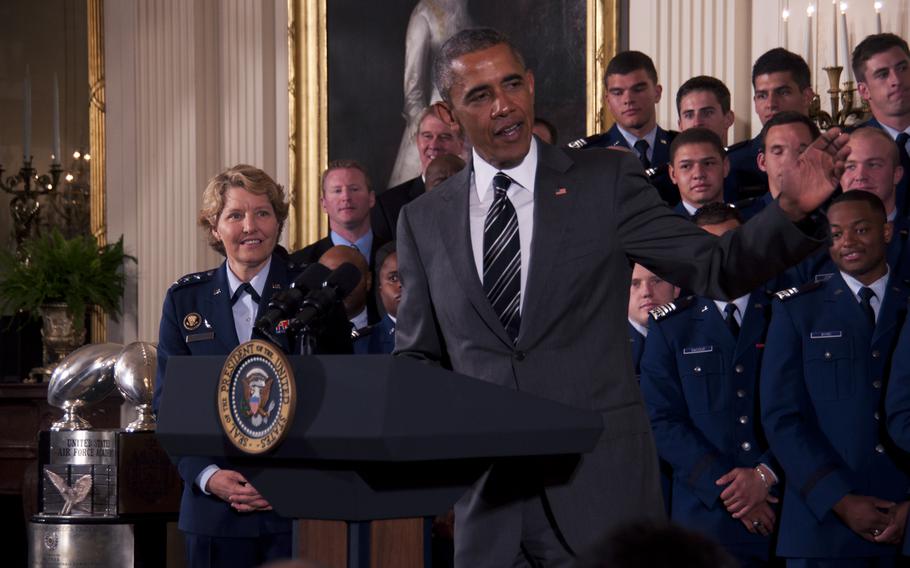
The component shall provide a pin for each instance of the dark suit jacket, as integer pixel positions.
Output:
(822, 385)
(384, 216)
(311, 253)
(207, 295)
(698, 381)
(573, 346)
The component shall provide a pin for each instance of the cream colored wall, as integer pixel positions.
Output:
(724, 37)
(192, 88)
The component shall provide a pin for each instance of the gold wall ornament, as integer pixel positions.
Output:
(308, 102)
(308, 142)
(96, 112)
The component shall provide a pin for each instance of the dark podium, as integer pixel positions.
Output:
(374, 437)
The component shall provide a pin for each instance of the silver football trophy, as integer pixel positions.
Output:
(134, 374)
(83, 378)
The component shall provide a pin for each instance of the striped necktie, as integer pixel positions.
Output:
(502, 258)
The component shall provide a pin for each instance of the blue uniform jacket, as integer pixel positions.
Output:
(380, 339)
(700, 386)
(637, 343)
(822, 389)
(897, 402)
(902, 205)
(197, 320)
(744, 179)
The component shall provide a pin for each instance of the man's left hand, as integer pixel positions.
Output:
(894, 532)
(812, 180)
(745, 489)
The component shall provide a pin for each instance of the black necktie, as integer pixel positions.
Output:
(865, 302)
(730, 319)
(641, 146)
(502, 258)
(901, 140)
(248, 288)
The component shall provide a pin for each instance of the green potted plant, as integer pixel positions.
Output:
(57, 280)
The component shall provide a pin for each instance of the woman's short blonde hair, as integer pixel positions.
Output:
(249, 178)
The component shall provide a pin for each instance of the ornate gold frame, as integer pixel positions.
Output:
(308, 102)
(96, 145)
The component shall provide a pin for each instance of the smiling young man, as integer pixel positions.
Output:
(823, 381)
(509, 270)
(881, 63)
(632, 92)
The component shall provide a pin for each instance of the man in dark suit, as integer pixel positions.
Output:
(698, 165)
(881, 63)
(781, 81)
(509, 270)
(700, 382)
(822, 392)
(632, 94)
(434, 138)
(347, 198)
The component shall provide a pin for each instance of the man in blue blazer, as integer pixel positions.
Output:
(632, 94)
(822, 392)
(379, 338)
(881, 63)
(700, 382)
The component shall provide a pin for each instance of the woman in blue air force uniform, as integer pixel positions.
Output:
(225, 520)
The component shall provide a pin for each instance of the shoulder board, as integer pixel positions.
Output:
(586, 141)
(788, 293)
(739, 145)
(747, 202)
(657, 170)
(195, 278)
(362, 332)
(670, 308)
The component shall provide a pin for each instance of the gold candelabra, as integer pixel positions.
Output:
(842, 103)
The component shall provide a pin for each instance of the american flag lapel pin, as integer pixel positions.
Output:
(561, 191)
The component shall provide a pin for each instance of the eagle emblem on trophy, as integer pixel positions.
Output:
(73, 495)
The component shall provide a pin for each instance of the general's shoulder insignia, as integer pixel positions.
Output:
(665, 310)
(256, 397)
(194, 278)
(788, 293)
(191, 321)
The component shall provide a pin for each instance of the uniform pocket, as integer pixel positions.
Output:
(827, 368)
(702, 376)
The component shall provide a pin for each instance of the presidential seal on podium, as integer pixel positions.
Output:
(256, 397)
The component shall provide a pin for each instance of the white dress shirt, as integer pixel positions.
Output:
(520, 193)
(880, 286)
(741, 303)
(638, 327)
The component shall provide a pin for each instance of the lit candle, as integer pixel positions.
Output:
(845, 43)
(786, 17)
(878, 17)
(55, 158)
(809, 12)
(27, 117)
(834, 35)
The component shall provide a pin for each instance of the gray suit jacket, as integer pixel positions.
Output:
(595, 214)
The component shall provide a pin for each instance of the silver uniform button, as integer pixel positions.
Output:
(746, 446)
(740, 393)
(876, 384)
(743, 419)
(880, 448)
(827, 354)
(875, 414)
(697, 369)
(876, 354)
(739, 368)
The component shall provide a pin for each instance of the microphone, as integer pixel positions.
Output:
(317, 303)
(288, 302)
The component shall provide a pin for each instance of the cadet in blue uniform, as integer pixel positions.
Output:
(881, 63)
(781, 81)
(699, 377)
(379, 338)
(225, 520)
(822, 385)
(646, 291)
(698, 165)
(632, 93)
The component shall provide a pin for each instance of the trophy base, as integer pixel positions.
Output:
(125, 542)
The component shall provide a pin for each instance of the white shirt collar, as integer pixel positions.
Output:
(258, 281)
(880, 286)
(892, 216)
(892, 132)
(741, 303)
(638, 327)
(523, 174)
(631, 139)
(360, 320)
(689, 207)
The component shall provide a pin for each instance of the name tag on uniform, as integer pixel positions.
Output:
(200, 336)
(694, 350)
(825, 334)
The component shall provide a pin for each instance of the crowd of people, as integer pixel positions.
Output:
(768, 288)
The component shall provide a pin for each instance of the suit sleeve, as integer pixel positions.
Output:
(170, 342)
(813, 468)
(680, 252)
(897, 401)
(417, 332)
(695, 460)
